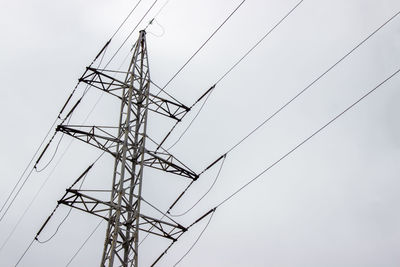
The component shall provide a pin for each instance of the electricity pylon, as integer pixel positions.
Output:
(123, 211)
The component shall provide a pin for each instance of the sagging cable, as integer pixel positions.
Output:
(173, 242)
(58, 204)
(198, 238)
(44, 150)
(79, 80)
(52, 157)
(201, 97)
(206, 93)
(186, 189)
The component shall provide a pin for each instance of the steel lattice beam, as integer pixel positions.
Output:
(103, 81)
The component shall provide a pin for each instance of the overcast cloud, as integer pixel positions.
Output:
(334, 202)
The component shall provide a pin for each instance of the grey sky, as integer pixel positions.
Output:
(334, 202)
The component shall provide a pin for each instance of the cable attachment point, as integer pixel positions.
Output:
(159, 25)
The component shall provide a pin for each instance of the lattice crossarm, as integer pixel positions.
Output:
(96, 136)
(103, 81)
(75, 199)
(168, 163)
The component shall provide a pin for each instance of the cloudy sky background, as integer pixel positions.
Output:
(334, 202)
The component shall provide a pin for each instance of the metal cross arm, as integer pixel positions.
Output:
(76, 199)
(107, 83)
(98, 137)
(165, 229)
(86, 203)
(168, 163)
(95, 136)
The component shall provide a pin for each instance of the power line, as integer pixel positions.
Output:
(41, 144)
(231, 68)
(102, 51)
(305, 89)
(286, 155)
(26, 250)
(204, 43)
(205, 194)
(52, 126)
(127, 17)
(27, 167)
(33, 200)
(68, 116)
(291, 100)
(262, 39)
(298, 94)
(69, 212)
(156, 15)
(197, 240)
(313, 82)
(307, 139)
(130, 34)
(191, 122)
(84, 243)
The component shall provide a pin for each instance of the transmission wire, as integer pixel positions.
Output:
(312, 83)
(38, 149)
(53, 211)
(127, 17)
(43, 184)
(191, 122)
(55, 121)
(305, 89)
(52, 171)
(130, 34)
(23, 255)
(208, 39)
(204, 195)
(258, 127)
(84, 243)
(262, 39)
(31, 202)
(26, 179)
(197, 240)
(307, 139)
(286, 155)
(296, 147)
(230, 69)
(184, 65)
(69, 212)
(30, 162)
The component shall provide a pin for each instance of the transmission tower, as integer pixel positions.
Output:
(123, 211)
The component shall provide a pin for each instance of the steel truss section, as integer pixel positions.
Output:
(98, 137)
(107, 83)
(77, 199)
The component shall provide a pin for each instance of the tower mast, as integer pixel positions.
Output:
(123, 213)
(122, 235)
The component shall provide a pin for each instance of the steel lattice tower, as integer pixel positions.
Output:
(127, 177)
(128, 147)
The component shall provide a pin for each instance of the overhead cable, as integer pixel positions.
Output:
(84, 243)
(130, 34)
(25, 251)
(27, 167)
(313, 82)
(286, 155)
(307, 139)
(203, 196)
(67, 117)
(127, 17)
(204, 43)
(197, 240)
(301, 92)
(230, 69)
